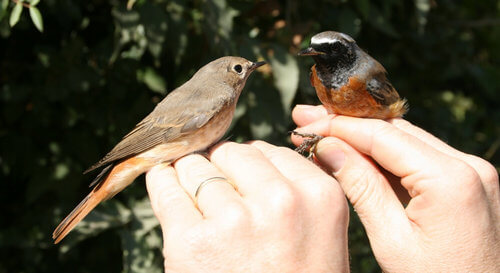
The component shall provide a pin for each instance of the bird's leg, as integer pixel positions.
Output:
(308, 144)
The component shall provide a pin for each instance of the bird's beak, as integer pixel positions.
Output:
(309, 52)
(256, 65)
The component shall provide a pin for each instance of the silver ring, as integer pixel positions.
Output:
(209, 180)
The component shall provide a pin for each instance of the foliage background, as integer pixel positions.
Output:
(67, 95)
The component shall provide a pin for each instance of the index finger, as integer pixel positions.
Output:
(303, 114)
(395, 150)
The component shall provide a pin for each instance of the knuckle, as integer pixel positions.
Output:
(189, 160)
(491, 179)
(466, 173)
(486, 170)
(489, 176)
(234, 216)
(258, 142)
(231, 149)
(328, 196)
(279, 152)
(465, 183)
(283, 200)
(381, 130)
(324, 191)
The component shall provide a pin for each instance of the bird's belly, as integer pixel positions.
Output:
(351, 99)
(195, 141)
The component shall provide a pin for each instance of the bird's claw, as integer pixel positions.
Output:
(308, 144)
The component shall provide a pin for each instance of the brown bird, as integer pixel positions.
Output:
(191, 118)
(350, 82)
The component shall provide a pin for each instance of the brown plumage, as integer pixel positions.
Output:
(191, 118)
(349, 82)
(353, 99)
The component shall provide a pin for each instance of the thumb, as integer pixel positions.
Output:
(368, 190)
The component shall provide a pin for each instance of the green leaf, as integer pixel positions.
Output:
(265, 111)
(140, 241)
(128, 30)
(130, 4)
(153, 80)
(3, 8)
(218, 24)
(154, 21)
(286, 76)
(423, 7)
(16, 14)
(36, 17)
(34, 2)
(109, 215)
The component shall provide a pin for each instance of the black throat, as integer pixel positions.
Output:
(334, 71)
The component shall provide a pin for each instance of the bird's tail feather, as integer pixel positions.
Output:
(86, 205)
(110, 182)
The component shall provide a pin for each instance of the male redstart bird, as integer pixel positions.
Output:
(350, 82)
(191, 118)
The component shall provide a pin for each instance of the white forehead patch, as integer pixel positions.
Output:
(330, 38)
(323, 40)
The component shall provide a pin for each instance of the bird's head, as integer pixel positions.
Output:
(332, 48)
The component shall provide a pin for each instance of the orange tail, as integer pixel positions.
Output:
(88, 203)
(122, 175)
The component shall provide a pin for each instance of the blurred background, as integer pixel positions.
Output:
(75, 76)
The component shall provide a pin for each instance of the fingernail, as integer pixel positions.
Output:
(330, 155)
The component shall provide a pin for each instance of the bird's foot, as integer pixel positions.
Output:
(308, 144)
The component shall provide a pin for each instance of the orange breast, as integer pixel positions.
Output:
(351, 99)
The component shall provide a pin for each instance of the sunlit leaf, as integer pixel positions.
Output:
(268, 119)
(16, 14)
(36, 17)
(459, 104)
(285, 75)
(219, 24)
(128, 29)
(177, 31)
(130, 4)
(141, 244)
(423, 8)
(107, 215)
(153, 80)
(61, 171)
(154, 21)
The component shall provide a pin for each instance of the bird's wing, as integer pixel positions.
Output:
(180, 113)
(379, 87)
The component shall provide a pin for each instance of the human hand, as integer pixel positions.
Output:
(287, 215)
(426, 207)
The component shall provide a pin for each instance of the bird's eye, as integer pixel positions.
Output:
(238, 68)
(336, 46)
